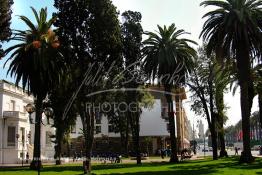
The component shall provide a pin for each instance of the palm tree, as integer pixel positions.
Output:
(36, 63)
(166, 54)
(222, 78)
(233, 30)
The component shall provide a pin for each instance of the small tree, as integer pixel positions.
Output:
(202, 87)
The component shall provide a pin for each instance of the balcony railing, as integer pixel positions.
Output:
(8, 114)
(14, 114)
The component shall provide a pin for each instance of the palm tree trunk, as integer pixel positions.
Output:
(137, 138)
(246, 156)
(89, 138)
(58, 152)
(214, 139)
(172, 128)
(37, 140)
(260, 107)
(223, 152)
(219, 97)
(244, 72)
(68, 148)
(134, 121)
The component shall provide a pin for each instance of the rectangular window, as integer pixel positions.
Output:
(29, 137)
(168, 127)
(48, 140)
(98, 129)
(164, 110)
(23, 135)
(98, 118)
(12, 105)
(98, 121)
(11, 136)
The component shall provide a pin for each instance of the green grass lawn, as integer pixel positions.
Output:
(229, 166)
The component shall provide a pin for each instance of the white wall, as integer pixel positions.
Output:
(151, 124)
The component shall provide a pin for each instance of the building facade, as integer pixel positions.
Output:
(16, 136)
(153, 126)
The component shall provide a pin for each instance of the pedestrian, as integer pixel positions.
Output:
(74, 157)
(162, 153)
(236, 151)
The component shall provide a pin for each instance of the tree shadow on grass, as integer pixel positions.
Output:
(195, 167)
(178, 172)
(232, 163)
(98, 167)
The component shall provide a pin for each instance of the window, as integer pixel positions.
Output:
(98, 118)
(29, 135)
(98, 129)
(12, 105)
(164, 110)
(48, 140)
(111, 128)
(23, 135)
(11, 136)
(168, 127)
(21, 155)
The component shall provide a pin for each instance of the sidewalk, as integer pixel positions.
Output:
(125, 160)
(79, 162)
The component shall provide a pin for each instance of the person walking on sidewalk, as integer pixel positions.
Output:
(236, 151)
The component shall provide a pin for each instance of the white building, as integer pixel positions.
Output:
(201, 132)
(153, 123)
(17, 135)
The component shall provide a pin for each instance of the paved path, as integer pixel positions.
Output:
(150, 160)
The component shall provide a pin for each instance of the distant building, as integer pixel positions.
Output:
(16, 133)
(153, 125)
(201, 132)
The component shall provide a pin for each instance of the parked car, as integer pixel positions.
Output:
(210, 149)
(255, 148)
(204, 150)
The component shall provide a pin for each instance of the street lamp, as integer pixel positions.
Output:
(48, 111)
(30, 108)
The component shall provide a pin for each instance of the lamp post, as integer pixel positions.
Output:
(204, 145)
(194, 145)
(30, 108)
(29, 141)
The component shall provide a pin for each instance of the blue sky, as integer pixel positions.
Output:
(186, 14)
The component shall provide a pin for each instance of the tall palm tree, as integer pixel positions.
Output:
(166, 56)
(233, 30)
(36, 62)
